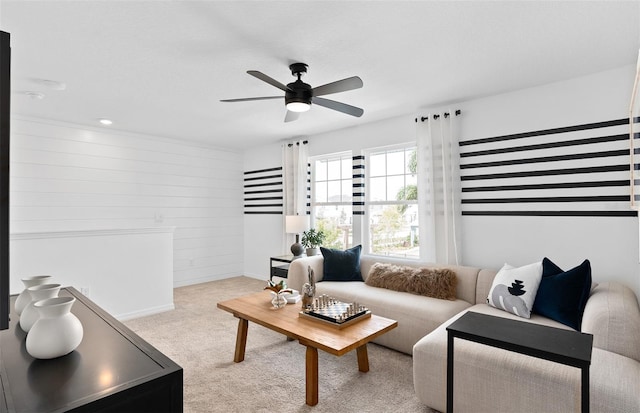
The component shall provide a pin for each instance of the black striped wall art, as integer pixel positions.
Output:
(579, 171)
(264, 191)
(358, 185)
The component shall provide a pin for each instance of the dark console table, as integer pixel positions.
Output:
(569, 347)
(113, 370)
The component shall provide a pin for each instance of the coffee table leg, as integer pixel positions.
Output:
(241, 340)
(363, 358)
(312, 376)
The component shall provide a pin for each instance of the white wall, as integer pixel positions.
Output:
(71, 177)
(611, 244)
(263, 234)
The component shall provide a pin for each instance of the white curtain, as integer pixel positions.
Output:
(295, 157)
(439, 188)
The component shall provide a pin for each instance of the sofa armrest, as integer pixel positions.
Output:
(298, 271)
(612, 315)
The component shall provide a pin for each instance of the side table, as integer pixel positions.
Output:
(568, 347)
(281, 266)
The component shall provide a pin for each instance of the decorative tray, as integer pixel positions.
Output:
(335, 313)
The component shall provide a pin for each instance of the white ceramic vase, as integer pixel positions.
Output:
(36, 293)
(24, 298)
(57, 332)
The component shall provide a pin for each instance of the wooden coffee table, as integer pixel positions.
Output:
(310, 333)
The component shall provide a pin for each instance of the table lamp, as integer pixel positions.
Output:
(295, 224)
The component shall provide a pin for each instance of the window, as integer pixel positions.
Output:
(392, 201)
(332, 193)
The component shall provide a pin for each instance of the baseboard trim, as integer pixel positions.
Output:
(145, 312)
(193, 281)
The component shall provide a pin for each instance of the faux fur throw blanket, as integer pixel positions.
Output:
(432, 282)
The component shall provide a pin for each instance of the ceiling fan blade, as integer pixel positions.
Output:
(248, 99)
(267, 79)
(343, 85)
(339, 106)
(291, 116)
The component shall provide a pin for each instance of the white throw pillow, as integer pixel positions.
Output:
(514, 289)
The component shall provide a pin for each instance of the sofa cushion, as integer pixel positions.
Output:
(430, 364)
(493, 380)
(514, 289)
(483, 285)
(417, 315)
(341, 265)
(431, 282)
(562, 295)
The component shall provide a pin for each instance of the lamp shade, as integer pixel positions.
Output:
(296, 224)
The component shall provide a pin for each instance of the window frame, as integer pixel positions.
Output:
(344, 175)
(366, 224)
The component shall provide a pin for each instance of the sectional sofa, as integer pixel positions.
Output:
(488, 379)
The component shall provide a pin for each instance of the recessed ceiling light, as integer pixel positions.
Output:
(51, 84)
(105, 121)
(35, 95)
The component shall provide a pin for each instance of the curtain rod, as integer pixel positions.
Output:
(298, 143)
(446, 115)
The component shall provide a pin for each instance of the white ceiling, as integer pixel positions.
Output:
(161, 67)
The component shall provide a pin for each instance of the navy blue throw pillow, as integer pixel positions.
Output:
(341, 265)
(562, 295)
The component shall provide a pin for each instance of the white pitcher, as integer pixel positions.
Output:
(57, 332)
(36, 293)
(24, 298)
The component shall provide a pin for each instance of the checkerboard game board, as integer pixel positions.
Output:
(334, 312)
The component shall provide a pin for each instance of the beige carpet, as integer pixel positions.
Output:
(201, 338)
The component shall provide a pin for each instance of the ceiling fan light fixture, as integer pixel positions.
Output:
(299, 96)
(298, 106)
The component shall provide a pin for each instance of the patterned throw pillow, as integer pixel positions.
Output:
(514, 289)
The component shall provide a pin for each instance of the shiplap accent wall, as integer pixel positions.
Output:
(70, 177)
(575, 170)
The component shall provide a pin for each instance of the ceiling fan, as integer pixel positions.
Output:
(298, 96)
